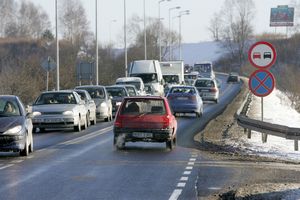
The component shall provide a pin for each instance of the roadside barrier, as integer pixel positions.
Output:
(265, 128)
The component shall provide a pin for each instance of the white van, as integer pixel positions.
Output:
(150, 72)
(136, 81)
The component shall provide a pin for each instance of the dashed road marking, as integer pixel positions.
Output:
(17, 161)
(191, 163)
(6, 166)
(181, 184)
(189, 168)
(187, 172)
(176, 193)
(192, 159)
(184, 178)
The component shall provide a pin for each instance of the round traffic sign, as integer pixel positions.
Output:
(261, 83)
(262, 55)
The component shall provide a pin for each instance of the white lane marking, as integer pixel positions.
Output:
(6, 166)
(187, 172)
(181, 184)
(214, 188)
(189, 168)
(191, 163)
(192, 159)
(176, 193)
(194, 156)
(184, 178)
(17, 161)
(87, 137)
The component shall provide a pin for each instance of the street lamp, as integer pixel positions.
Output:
(57, 49)
(145, 33)
(125, 38)
(181, 13)
(169, 40)
(159, 35)
(96, 26)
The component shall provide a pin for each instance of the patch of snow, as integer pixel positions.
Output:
(277, 110)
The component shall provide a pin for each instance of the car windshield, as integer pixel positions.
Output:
(56, 98)
(204, 83)
(95, 93)
(183, 90)
(116, 91)
(135, 83)
(171, 79)
(9, 108)
(131, 91)
(143, 106)
(82, 95)
(147, 78)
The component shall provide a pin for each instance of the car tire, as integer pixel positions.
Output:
(169, 144)
(107, 119)
(198, 114)
(31, 145)
(216, 101)
(34, 130)
(94, 120)
(42, 130)
(78, 127)
(25, 151)
(85, 125)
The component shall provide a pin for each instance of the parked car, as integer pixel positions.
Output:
(117, 92)
(15, 126)
(89, 105)
(136, 81)
(147, 119)
(59, 109)
(233, 78)
(185, 99)
(102, 100)
(208, 89)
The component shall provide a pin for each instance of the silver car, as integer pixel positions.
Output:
(208, 89)
(59, 109)
(89, 105)
(117, 92)
(102, 100)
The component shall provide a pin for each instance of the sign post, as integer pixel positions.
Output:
(262, 55)
(48, 64)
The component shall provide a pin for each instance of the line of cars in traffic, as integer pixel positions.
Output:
(140, 114)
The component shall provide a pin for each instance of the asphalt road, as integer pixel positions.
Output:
(68, 165)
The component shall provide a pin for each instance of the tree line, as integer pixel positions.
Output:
(26, 39)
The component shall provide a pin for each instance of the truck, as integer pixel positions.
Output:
(205, 69)
(173, 73)
(150, 72)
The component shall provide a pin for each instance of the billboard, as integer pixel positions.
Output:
(282, 16)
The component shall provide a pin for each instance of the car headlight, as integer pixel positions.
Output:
(36, 113)
(68, 112)
(118, 103)
(103, 104)
(14, 131)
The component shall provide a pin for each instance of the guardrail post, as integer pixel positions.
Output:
(296, 145)
(249, 133)
(264, 137)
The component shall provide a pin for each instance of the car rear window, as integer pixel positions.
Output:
(183, 90)
(205, 83)
(143, 106)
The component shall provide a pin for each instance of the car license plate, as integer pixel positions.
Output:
(53, 120)
(182, 98)
(142, 135)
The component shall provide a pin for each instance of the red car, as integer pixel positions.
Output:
(147, 119)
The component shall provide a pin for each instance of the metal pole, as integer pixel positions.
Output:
(125, 38)
(48, 68)
(159, 30)
(169, 37)
(145, 32)
(264, 135)
(180, 37)
(97, 49)
(57, 49)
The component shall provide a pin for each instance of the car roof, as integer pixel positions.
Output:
(125, 79)
(59, 91)
(116, 86)
(205, 78)
(89, 86)
(146, 97)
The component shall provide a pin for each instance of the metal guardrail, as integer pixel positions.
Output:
(265, 127)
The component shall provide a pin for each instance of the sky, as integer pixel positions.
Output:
(194, 26)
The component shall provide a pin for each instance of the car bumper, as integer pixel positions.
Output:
(209, 96)
(145, 135)
(102, 113)
(185, 108)
(12, 143)
(54, 122)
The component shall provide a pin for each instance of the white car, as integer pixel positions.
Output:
(59, 109)
(89, 105)
(208, 89)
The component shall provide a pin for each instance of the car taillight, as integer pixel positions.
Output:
(118, 122)
(166, 121)
(213, 90)
(193, 98)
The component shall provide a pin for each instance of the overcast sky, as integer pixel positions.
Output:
(194, 26)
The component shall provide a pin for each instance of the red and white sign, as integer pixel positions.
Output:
(262, 55)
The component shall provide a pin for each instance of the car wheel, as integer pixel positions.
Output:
(107, 119)
(94, 120)
(198, 114)
(34, 129)
(42, 130)
(88, 121)
(119, 142)
(169, 144)
(25, 151)
(78, 127)
(85, 125)
(31, 145)
(216, 101)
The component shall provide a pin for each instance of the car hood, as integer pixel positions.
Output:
(53, 107)
(10, 122)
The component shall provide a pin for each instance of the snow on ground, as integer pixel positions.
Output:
(277, 110)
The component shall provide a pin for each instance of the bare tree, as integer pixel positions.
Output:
(7, 14)
(215, 26)
(73, 21)
(236, 28)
